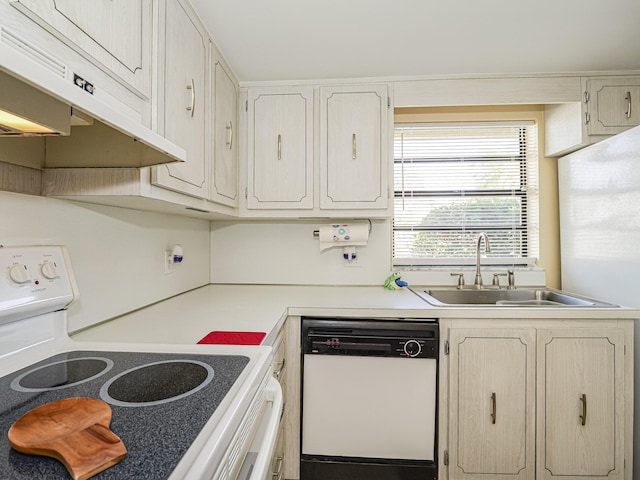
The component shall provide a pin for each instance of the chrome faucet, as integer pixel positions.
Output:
(487, 248)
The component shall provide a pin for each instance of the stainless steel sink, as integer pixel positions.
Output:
(520, 297)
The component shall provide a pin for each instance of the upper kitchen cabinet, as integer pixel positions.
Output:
(280, 148)
(113, 34)
(183, 99)
(354, 157)
(603, 106)
(613, 104)
(317, 151)
(224, 182)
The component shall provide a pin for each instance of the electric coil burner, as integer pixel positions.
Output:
(182, 411)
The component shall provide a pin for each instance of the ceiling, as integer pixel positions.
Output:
(267, 40)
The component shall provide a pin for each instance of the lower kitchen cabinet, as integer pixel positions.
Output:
(292, 398)
(287, 369)
(580, 404)
(540, 403)
(279, 369)
(492, 404)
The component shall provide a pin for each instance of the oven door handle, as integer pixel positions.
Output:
(271, 423)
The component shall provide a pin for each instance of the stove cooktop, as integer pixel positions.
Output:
(160, 402)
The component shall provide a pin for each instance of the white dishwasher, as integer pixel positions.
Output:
(369, 397)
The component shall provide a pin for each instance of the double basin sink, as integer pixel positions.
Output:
(519, 297)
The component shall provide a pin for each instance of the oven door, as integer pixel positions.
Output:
(258, 459)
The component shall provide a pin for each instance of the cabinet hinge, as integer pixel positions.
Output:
(446, 347)
(587, 118)
(586, 96)
(445, 460)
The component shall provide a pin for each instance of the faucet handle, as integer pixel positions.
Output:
(496, 279)
(512, 279)
(460, 279)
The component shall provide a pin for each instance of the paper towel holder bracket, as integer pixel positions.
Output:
(316, 233)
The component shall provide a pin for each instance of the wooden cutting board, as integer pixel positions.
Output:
(74, 431)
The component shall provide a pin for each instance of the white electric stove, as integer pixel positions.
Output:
(183, 412)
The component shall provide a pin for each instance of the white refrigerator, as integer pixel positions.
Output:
(600, 230)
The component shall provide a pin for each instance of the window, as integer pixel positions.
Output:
(453, 181)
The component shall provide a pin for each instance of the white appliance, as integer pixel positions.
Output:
(185, 412)
(369, 395)
(599, 189)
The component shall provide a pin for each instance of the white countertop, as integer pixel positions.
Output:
(186, 318)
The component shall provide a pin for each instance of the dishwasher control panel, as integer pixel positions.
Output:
(380, 338)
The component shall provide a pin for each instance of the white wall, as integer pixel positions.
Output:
(117, 254)
(286, 252)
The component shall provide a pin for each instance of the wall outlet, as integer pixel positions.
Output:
(168, 261)
(352, 263)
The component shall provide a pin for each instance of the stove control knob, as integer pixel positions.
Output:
(49, 270)
(19, 273)
(412, 348)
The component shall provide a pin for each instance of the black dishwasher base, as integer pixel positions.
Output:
(338, 468)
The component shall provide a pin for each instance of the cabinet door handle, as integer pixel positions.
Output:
(628, 99)
(230, 138)
(192, 107)
(583, 417)
(278, 373)
(354, 146)
(493, 408)
(279, 147)
(277, 473)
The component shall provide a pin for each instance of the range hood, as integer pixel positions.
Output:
(107, 137)
(25, 111)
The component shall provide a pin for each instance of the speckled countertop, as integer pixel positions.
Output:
(156, 436)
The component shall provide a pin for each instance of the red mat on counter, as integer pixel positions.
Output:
(224, 337)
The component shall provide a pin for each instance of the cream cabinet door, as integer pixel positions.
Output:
(492, 404)
(280, 148)
(354, 157)
(580, 404)
(614, 104)
(185, 99)
(224, 185)
(113, 34)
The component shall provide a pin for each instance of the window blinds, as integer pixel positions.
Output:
(455, 180)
